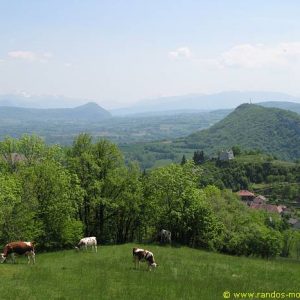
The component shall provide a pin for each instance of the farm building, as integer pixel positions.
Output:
(226, 155)
(260, 199)
(268, 207)
(246, 195)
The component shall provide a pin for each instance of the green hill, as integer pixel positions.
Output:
(183, 273)
(274, 131)
(90, 111)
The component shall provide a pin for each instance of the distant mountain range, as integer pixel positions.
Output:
(87, 112)
(273, 130)
(202, 102)
(40, 101)
(162, 105)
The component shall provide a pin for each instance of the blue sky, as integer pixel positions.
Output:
(119, 52)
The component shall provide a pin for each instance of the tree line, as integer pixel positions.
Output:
(54, 196)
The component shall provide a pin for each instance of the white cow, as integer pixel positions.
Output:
(87, 242)
(165, 236)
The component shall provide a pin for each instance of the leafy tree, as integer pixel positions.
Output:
(54, 195)
(10, 196)
(198, 157)
(183, 160)
(236, 150)
(94, 164)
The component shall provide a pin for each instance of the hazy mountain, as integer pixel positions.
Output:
(202, 102)
(272, 130)
(90, 111)
(43, 101)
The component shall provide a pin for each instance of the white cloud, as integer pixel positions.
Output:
(181, 53)
(30, 56)
(259, 55)
(247, 56)
(68, 65)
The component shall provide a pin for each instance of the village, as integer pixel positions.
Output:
(260, 202)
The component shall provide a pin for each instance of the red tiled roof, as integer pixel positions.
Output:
(267, 207)
(245, 193)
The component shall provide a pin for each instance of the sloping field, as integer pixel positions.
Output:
(182, 273)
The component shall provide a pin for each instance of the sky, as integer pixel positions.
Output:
(120, 52)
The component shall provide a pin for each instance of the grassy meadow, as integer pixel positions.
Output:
(183, 273)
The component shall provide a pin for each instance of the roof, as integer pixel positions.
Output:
(260, 200)
(261, 197)
(267, 207)
(245, 193)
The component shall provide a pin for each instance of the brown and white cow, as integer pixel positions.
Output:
(143, 255)
(19, 248)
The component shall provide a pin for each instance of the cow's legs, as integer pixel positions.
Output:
(13, 258)
(135, 260)
(31, 257)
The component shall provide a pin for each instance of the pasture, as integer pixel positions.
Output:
(183, 273)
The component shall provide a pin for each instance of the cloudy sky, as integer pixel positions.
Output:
(118, 52)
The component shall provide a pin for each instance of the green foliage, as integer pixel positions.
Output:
(55, 196)
(272, 130)
(9, 199)
(255, 129)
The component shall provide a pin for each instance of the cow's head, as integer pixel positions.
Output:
(2, 258)
(154, 265)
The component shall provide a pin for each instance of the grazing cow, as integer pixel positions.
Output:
(87, 242)
(165, 236)
(19, 248)
(143, 255)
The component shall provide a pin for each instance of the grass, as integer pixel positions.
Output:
(183, 273)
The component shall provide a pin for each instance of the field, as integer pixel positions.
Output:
(182, 273)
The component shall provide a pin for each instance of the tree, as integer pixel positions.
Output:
(183, 160)
(94, 163)
(53, 195)
(198, 157)
(236, 150)
(10, 196)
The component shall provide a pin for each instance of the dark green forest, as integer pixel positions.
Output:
(56, 195)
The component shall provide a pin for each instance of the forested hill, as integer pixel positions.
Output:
(90, 111)
(250, 126)
(293, 106)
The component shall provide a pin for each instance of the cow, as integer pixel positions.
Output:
(165, 236)
(19, 248)
(143, 255)
(87, 242)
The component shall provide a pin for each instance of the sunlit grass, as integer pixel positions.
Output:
(183, 273)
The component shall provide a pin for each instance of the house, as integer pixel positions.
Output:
(226, 155)
(246, 195)
(267, 207)
(260, 199)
